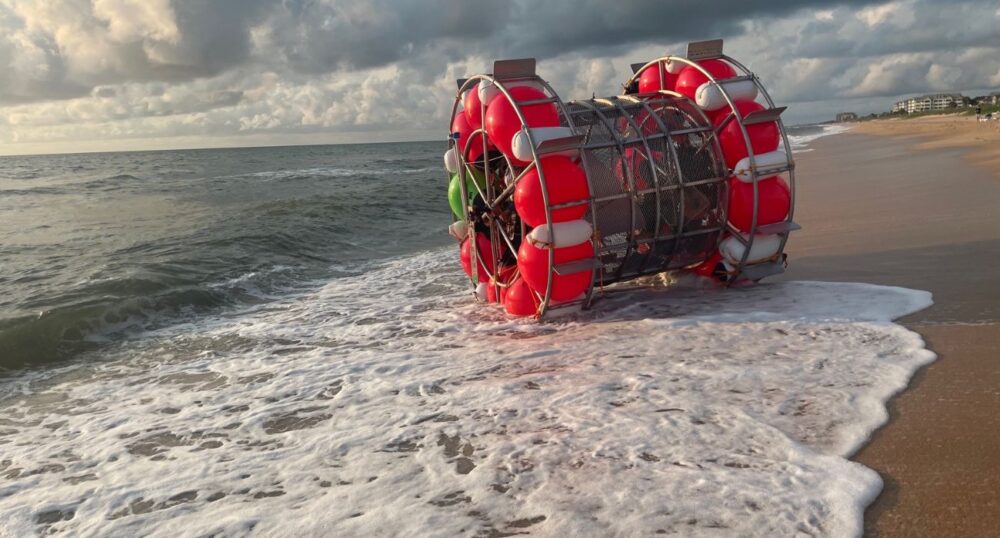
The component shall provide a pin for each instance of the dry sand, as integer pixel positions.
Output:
(948, 131)
(916, 212)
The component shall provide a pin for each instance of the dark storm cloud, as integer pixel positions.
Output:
(555, 27)
(318, 37)
(147, 68)
(309, 36)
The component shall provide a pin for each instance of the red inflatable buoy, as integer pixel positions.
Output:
(533, 262)
(502, 123)
(773, 202)
(764, 137)
(506, 272)
(519, 300)
(484, 247)
(566, 182)
(649, 79)
(690, 78)
(473, 107)
(707, 268)
(461, 126)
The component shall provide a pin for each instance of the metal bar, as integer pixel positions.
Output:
(513, 184)
(651, 158)
(631, 180)
(571, 204)
(681, 132)
(612, 197)
(680, 186)
(510, 244)
(554, 145)
(749, 147)
(782, 227)
(512, 67)
(714, 139)
(531, 102)
(740, 236)
(709, 181)
(693, 233)
(578, 266)
(584, 161)
(785, 142)
(763, 116)
(775, 170)
(509, 69)
(758, 271)
(568, 304)
(456, 106)
(704, 50)
(590, 188)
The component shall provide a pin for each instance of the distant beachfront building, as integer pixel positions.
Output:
(927, 103)
(846, 116)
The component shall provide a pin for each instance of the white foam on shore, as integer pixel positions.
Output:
(800, 142)
(387, 404)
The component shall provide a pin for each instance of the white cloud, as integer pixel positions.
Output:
(136, 20)
(134, 70)
(873, 16)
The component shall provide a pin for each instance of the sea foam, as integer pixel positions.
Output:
(388, 404)
(800, 136)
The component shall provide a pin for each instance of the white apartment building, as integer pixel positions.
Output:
(925, 103)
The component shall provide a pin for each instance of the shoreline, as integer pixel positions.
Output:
(908, 210)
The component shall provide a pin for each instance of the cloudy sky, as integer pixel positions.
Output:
(85, 75)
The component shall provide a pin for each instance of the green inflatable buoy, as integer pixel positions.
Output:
(455, 190)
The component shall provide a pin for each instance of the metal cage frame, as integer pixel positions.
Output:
(507, 73)
(709, 50)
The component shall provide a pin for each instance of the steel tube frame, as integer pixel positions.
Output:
(754, 172)
(624, 106)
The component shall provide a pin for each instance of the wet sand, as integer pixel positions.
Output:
(922, 213)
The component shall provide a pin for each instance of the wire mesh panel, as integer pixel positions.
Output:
(657, 183)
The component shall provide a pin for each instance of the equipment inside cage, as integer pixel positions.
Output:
(689, 169)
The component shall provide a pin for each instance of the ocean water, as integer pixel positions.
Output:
(280, 342)
(799, 136)
(97, 247)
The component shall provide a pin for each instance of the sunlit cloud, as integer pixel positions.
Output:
(162, 73)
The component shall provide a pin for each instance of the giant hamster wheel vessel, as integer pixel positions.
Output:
(689, 169)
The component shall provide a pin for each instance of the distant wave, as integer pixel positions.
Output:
(306, 173)
(114, 309)
(800, 135)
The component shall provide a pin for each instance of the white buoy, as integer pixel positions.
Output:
(459, 230)
(772, 159)
(451, 161)
(520, 147)
(562, 234)
(709, 96)
(674, 67)
(764, 247)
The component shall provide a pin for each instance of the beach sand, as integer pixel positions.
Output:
(945, 131)
(914, 203)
